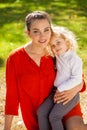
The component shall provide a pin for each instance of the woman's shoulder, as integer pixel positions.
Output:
(16, 52)
(48, 57)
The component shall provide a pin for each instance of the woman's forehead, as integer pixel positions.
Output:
(40, 24)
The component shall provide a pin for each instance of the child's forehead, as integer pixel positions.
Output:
(58, 36)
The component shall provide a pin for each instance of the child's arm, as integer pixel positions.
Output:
(76, 75)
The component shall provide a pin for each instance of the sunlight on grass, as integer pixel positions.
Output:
(12, 21)
(13, 37)
(69, 13)
(13, 14)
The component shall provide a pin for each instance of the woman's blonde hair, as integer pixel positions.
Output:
(65, 34)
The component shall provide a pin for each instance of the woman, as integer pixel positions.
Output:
(30, 73)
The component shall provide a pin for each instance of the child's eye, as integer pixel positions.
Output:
(53, 46)
(58, 42)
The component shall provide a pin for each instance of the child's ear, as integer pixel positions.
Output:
(68, 43)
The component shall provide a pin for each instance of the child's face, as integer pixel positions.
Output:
(59, 45)
(40, 32)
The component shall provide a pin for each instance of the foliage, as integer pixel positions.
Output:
(69, 13)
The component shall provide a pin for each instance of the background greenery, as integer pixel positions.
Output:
(69, 13)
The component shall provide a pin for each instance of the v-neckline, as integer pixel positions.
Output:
(32, 60)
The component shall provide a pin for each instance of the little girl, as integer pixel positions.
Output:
(69, 74)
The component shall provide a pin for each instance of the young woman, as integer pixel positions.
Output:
(30, 73)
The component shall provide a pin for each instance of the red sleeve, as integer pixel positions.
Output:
(84, 84)
(84, 87)
(11, 105)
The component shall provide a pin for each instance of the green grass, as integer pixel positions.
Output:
(69, 13)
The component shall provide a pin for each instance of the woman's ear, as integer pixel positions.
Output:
(27, 32)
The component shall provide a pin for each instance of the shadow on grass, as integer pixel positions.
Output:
(62, 12)
(20, 8)
(1, 62)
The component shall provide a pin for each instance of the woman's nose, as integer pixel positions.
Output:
(42, 34)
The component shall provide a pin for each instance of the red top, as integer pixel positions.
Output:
(27, 84)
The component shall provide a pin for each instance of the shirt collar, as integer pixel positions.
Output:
(66, 54)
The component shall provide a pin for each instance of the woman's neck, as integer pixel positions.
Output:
(35, 52)
(35, 49)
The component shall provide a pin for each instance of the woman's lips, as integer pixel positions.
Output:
(42, 41)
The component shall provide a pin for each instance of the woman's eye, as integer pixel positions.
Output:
(36, 31)
(47, 30)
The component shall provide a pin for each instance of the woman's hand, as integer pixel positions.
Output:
(67, 95)
(8, 122)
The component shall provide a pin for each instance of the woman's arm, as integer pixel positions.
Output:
(8, 122)
(67, 95)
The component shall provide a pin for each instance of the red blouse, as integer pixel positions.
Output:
(27, 84)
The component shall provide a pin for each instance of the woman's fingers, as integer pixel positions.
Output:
(64, 100)
(63, 97)
(59, 97)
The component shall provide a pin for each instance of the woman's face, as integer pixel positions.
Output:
(59, 45)
(40, 32)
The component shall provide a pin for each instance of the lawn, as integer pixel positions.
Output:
(69, 13)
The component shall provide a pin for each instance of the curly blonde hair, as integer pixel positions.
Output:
(66, 34)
